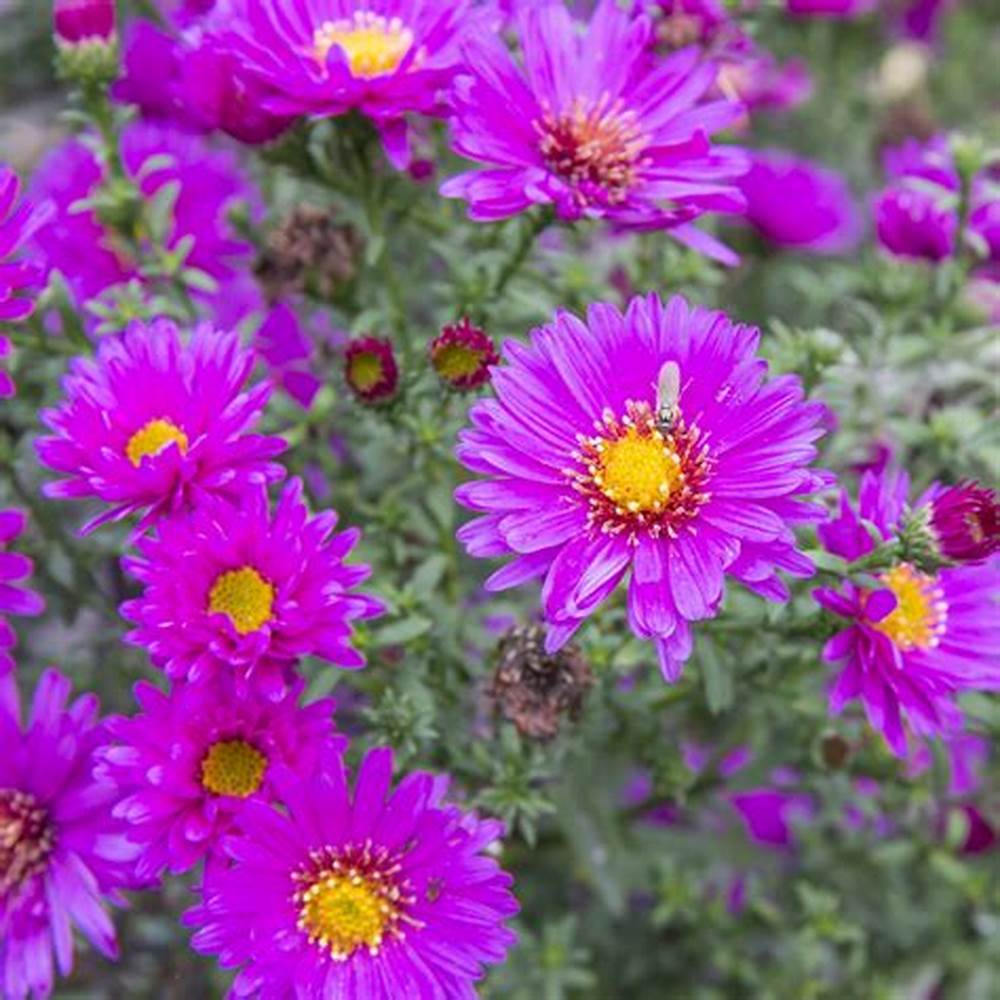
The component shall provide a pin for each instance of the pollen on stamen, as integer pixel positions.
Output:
(920, 617)
(637, 478)
(595, 146)
(373, 45)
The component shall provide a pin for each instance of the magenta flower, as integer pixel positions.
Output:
(61, 858)
(965, 522)
(77, 21)
(283, 344)
(253, 591)
(624, 139)
(380, 894)
(193, 81)
(384, 58)
(18, 278)
(647, 445)
(189, 762)
(154, 423)
(209, 186)
(794, 203)
(915, 639)
(15, 599)
(916, 223)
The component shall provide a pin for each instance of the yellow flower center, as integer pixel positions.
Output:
(456, 361)
(918, 620)
(345, 911)
(233, 767)
(638, 471)
(152, 438)
(365, 372)
(372, 44)
(245, 596)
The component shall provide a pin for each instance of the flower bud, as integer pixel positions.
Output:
(86, 41)
(462, 354)
(965, 520)
(370, 369)
(83, 21)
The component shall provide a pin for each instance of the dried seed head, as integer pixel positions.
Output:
(535, 690)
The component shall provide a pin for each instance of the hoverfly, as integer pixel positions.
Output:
(668, 392)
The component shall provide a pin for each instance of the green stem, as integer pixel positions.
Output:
(538, 223)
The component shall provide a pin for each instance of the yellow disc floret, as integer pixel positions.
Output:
(343, 912)
(919, 617)
(233, 767)
(373, 45)
(245, 596)
(152, 438)
(638, 471)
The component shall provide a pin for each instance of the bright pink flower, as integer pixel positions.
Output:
(965, 520)
(248, 591)
(462, 354)
(189, 762)
(624, 139)
(794, 203)
(322, 58)
(18, 278)
(156, 422)
(78, 21)
(15, 598)
(61, 857)
(370, 369)
(428, 903)
(915, 639)
(647, 446)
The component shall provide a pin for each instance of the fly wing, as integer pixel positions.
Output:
(668, 388)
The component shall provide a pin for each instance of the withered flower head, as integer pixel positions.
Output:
(535, 690)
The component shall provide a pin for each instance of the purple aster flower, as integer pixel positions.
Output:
(965, 522)
(193, 81)
(61, 858)
(920, 19)
(382, 894)
(154, 423)
(793, 202)
(81, 21)
(648, 445)
(15, 599)
(625, 139)
(190, 761)
(917, 223)
(18, 223)
(383, 58)
(253, 590)
(209, 186)
(915, 639)
(283, 344)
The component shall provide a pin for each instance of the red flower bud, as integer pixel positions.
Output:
(84, 20)
(370, 369)
(462, 354)
(965, 520)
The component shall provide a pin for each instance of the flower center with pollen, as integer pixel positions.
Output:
(245, 596)
(152, 438)
(637, 474)
(638, 471)
(595, 147)
(26, 839)
(350, 898)
(920, 615)
(233, 767)
(373, 45)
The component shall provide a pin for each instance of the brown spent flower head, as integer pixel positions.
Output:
(370, 369)
(462, 354)
(535, 690)
(309, 251)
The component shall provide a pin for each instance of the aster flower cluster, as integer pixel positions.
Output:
(547, 557)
